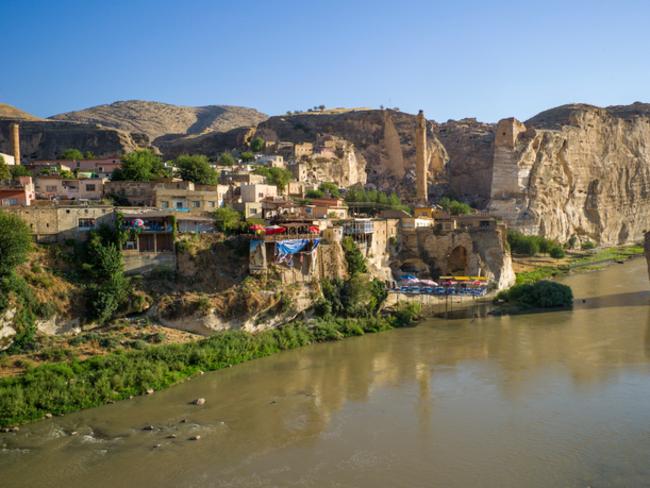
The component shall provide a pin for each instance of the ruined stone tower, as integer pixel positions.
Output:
(15, 141)
(506, 177)
(421, 158)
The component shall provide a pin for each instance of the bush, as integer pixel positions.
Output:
(532, 245)
(588, 245)
(557, 252)
(454, 207)
(542, 294)
(406, 314)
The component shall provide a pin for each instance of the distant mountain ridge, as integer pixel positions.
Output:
(156, 119)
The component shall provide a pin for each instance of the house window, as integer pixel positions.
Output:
(164, 204)
(179, 205)
(212, 204)
(85, 224)
(90, 187)
(196, 203)
(50, 189)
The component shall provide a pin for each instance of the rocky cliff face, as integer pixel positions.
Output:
(48, 139)
(576, 170)
(157, 119)
(384, 138)
(469, 146)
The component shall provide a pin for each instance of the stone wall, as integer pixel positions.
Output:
(58, 223)
(474, 252)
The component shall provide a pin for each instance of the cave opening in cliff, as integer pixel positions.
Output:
(457, 261)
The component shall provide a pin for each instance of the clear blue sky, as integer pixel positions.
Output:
(487, 59)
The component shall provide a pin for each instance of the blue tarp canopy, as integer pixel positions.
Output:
(290, 246)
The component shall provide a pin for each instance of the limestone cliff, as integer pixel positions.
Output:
(469, 145)
(385, 139)
(576, 170)
(44, 139)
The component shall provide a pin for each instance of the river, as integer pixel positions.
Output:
(549, 399)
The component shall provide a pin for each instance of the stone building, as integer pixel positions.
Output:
(56, 223)
(54, 187)
(138, 193)
(185, 196)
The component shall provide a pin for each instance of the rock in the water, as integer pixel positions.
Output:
(195, 437)
(150, 391)
(148, 427)
(199, 401)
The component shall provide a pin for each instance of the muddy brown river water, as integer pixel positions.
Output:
(551, 399)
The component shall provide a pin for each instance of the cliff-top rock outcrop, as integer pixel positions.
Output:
(576, 170)
(44, 139)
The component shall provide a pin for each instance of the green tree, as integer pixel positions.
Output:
(72, 154)
(331, 188)
(454, 207)
(314, 194)
(15, 242)
(5, 173)
(226, 219)
(258, 144)
(89, 155)
(247, 156)
(196, 168)
(19, 170)
(227, 159)
(65, 173)
(355, 260)
(140, 165)
(110, 289)
(275, 176)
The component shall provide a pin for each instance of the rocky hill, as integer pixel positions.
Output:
(10, 112)
(157, 119)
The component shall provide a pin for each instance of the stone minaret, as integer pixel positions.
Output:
(15, 141)
(421, 159)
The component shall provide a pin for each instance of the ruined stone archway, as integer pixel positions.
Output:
(457, 261)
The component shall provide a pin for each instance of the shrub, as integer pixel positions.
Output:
(557, 252)
(406, 314)
(454, 207)
(588, 245)
(542, 294)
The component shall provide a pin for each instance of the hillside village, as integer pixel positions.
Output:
(295, 206)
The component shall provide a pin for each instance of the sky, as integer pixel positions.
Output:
(452, 59)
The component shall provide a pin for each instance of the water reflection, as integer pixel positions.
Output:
(435, 402)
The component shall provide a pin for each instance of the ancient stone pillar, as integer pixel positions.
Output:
(421, 158)
(15, 141)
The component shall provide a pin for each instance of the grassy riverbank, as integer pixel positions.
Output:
(77, 384)
(578, 261)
